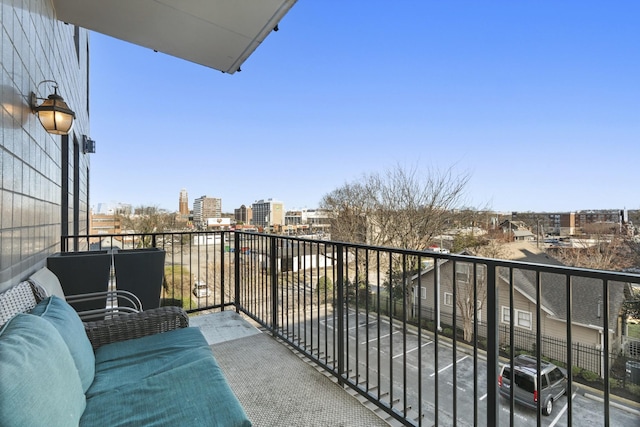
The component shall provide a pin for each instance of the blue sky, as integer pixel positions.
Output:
(538, 101)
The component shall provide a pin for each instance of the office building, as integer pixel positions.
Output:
(268, 213)
(206, 207)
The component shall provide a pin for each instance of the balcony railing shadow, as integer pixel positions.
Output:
(420, 336)
(275, 384)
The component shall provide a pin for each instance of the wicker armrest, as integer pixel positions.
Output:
(135, 325)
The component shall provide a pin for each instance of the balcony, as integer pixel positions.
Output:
(419, 338)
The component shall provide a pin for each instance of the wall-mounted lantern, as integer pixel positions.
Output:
(55, 115)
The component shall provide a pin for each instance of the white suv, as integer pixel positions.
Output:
(201, 290)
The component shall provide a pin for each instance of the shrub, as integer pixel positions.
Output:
(429, 325)
(589, 375)
(633, 388)
(576, 371)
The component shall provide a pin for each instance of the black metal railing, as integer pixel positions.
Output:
(422, 335)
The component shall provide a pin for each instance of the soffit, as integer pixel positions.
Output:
(220, 34)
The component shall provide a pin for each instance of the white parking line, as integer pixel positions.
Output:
(515, 414)
(360, 325)
(413, 349)
(449, 365)
(564, 409)
(381, 336)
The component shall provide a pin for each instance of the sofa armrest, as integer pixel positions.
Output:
(135, 325)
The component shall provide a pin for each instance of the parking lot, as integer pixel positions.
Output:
(393, 357)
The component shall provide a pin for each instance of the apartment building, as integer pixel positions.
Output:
(307, 220)
(268, 213)
(568, 223)
(206, 207)
(243, 215)
(105, 224)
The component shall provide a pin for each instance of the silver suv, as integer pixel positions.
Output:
(524, 378)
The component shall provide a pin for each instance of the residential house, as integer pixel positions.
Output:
(523, 235)
(587, 306)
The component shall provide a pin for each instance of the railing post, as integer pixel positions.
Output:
(223, 301)
(492, 346)
(340, 311)
(273, 274)
(605, 350)
(236, 261)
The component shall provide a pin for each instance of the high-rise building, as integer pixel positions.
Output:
(206, 207)
(243, 215)
(183, 206)
(268, 213)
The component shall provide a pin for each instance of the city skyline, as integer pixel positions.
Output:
(537, 103)
(102, 207)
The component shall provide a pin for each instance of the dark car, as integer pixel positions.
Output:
(523, 379)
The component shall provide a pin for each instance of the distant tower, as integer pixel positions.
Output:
(184, 202)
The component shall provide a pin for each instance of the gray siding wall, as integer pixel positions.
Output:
(550, 327)
(36, 47)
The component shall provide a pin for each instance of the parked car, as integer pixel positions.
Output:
(524, 379)
(201, 290)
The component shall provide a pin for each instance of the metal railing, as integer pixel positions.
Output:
(360, 312)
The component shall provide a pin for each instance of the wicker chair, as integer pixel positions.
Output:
(117, 323)
(135, 325)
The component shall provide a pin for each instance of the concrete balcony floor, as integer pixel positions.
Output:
(277, 386)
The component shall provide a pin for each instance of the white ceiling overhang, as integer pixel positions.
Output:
(220, 34)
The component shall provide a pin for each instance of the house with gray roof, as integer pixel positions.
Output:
(587, 311)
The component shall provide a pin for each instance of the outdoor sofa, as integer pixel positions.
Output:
(140, 369)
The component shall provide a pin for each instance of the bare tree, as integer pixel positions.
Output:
(147, 219)
(469, 294)
(348, 208)
(401, 208)
(602, 252)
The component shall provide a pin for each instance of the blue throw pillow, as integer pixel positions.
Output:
(65, 319)
(39, 383)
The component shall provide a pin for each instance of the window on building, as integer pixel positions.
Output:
(423, 292)
(463, 272)
(448, 299)
(523, 318)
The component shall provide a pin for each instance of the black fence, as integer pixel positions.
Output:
(585, 356)
(326, 299)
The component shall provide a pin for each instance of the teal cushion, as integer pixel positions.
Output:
(167, 379)
(39, 383)
(65, 319)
